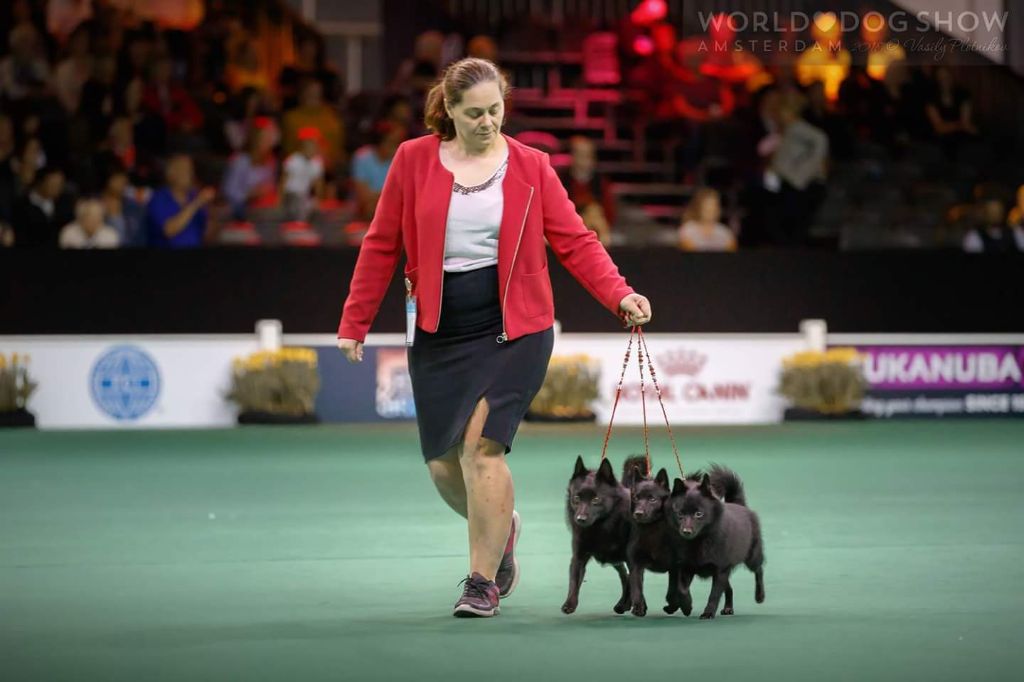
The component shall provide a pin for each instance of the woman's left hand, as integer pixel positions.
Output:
(636, 310)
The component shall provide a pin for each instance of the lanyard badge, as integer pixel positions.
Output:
(410, 313)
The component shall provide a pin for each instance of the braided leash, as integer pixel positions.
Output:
(641, 350)
(618, 394)
(643, 395)
(654, 379)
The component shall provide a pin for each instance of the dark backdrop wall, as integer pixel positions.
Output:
(226, 290)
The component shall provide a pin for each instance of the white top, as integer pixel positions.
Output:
(695, 237)
(300, 172)
(474, 218)
(72, 236)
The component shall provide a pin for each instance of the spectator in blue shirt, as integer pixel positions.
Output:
(371, 162)
(176, 213)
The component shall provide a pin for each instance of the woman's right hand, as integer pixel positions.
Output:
(352, 349)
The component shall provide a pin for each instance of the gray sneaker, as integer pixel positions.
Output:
(507, 576)
(479, 598)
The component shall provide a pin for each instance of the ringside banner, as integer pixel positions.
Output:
(943, 380)
(703, 380)
(126, 382)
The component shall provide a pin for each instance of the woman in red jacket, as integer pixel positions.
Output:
(471, 209)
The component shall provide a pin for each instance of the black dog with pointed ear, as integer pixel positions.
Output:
(650, 542)
(597, 509)
(713, 531)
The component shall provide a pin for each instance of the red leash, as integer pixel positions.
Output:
(664, 413)
(618, 394)
(641, 350)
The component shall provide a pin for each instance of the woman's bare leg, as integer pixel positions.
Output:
(489, 495)
(446, 472)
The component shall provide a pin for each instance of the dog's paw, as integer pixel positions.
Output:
(670, 608)
(727, 611)
(759, 595)
(707, 615)
(686, 605)
(640, 609)
(622, 606)
(569, 606)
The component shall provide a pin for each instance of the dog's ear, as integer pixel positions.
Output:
(637, 475)
(678, 487)
(605, 473)
(581, 468)
(706, 488)
(662, 478)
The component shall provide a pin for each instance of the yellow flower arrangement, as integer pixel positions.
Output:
(283, 382)
(570, 385)
(15, 384)
(830, 382)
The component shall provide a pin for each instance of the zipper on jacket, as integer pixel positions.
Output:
(503, 337)
(444, 239)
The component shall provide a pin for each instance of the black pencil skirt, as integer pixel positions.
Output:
(462, 362)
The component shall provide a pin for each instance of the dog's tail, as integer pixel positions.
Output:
(633, 462)
(728, 482)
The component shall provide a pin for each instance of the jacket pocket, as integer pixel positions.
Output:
(535, 289)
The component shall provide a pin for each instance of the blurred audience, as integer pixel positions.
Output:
(248, 106)
(38, 216)
(245, 69)
(371, 162)
(302, 179)
(123, 208)
(251, 176)
(25, 73)
(309, 65)
(417, 74)
(74, 71)
(100, 102)
(89, 231)
(176, 215)
(702, 229)
(949, 112)
(166, 98)
(313, 112)
(1015, 218)
(795, 178)
(994, 234)
(97, 104)
(588, 190)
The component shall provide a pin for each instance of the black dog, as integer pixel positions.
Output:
(650, 542)
(712, 536)
(597, 507)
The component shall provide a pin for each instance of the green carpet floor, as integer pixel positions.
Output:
(894, 552)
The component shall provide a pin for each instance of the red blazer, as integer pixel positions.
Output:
(412, 214)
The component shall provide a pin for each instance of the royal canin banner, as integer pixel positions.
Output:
(982, 381)
(703, 380)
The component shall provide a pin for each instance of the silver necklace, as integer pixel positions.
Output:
(462, 189)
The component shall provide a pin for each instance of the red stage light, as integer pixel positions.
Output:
(648, 12)
(643, 46)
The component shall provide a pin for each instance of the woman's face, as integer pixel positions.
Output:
(479, 115)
